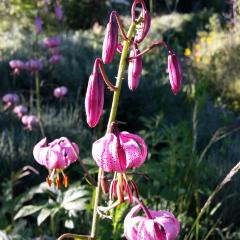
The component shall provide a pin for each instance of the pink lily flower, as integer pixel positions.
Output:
(51, 42)
(175, 73)
(158, 225)
(94, 99)
(117, 153)
(110, 42)
(134, 69)
(56, 156)
(20, 110)
(17, 65)
(10, 100)
(60, 92)
(30, 121)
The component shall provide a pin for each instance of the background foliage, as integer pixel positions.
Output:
(182, 168)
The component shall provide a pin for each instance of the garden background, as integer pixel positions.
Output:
(192, 138)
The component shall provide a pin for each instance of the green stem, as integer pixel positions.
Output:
(112, 118)
(38, 103)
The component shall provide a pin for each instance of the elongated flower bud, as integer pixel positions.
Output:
(110, 42)
(134, 69)
(94, 99)
(175, 73)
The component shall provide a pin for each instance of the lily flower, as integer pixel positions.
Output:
(34, 65)
(60, 92)
(20, 110)
(157, 225)
(17, 65)
(117, 152)
(30, 121)
(56, 156)
(10, 100)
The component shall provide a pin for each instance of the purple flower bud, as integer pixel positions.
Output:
(51, 42)
(110, 42)
(94, 99)
(58, 12)
(175, 73)
(38, 24)
(134, 69)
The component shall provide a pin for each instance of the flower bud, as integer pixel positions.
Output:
(52, 42)
(60, 92)
(94, 99)
(110, 42)
(134, 69)
(20, 110)
(175, 73)
(58, 12)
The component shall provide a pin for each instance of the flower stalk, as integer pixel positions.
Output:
(112, 118)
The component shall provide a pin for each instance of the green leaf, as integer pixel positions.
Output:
(43, 215)
(27, 210)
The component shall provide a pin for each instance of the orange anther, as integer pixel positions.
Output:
(65, 181)
(48, 180)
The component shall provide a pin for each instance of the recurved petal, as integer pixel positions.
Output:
(40, 152)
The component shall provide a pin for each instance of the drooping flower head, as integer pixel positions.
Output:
(60, 92)
(10, 100)
(52, 42)
(55, 58)
(175, 72)
(30, 121)
(157, 225)
(94, 99)
(17, 66)
(117, 152)
(134, 69)
(110, 42)
(38, 24)
(56, 156)
(58, 12)
(34, 65)
(144, 26)
(20, 110)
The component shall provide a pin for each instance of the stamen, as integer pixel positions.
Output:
(48, 180)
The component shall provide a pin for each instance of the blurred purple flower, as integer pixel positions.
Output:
(17, 65)
(55, 58)
(38, 24)
(20, 110)
(30, 121)
(60, 92)
(34, 65)
(58, 12)
(51, 42)
(10, 100)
